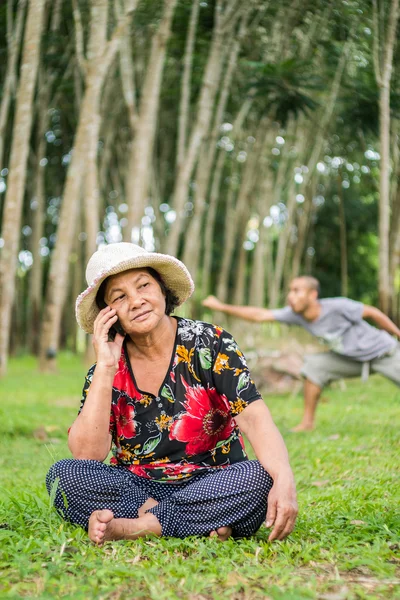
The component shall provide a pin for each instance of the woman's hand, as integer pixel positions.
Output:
(282, 507)
(107, 353)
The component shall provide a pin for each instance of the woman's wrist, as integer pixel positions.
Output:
(105, 371)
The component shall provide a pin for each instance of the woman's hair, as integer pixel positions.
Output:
(171, 301)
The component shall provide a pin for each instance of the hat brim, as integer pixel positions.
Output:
(172, 271)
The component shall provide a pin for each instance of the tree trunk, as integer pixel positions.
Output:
(302, 227)
(240, 270)
(202, 123)
(185, 89)
(35, 292)
(18, 163)
(140, 162)
(262, 248)
(343, 238)
(13, 45)
(36, 272)
(383, 74)
(234, 218)
(97, 41)
(207, 158)
(96, 68)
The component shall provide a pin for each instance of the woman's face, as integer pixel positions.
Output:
(138, 300)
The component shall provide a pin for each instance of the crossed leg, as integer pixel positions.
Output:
(112, 504)
(104, 527)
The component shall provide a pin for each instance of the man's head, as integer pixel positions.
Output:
(303, 293)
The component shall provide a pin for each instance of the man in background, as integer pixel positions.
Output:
(355, 347)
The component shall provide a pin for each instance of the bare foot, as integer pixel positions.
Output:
(223, 533)
(150, 502)
(100, 526)
(302, 427)
(104, 527)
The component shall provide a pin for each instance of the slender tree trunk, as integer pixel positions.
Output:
(240, 272)
(14, 36)
(203, 119)
(18, 163)
(96, 68)
(383, 74)
(302, 228)
(213, 202)
(284, 234)
(36, 272)
(45, 82)
(137, 185)
(207, 158)
(210, 223)
(262, 248)
(235, 218)
(229, 244)
(184, 104)
(283, 242)
(97, 41)
(343, 238)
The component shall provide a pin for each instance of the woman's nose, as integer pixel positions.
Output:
(135, 300)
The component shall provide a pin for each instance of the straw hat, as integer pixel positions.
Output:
(115, 258)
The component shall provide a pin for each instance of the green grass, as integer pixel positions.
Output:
(345, 546)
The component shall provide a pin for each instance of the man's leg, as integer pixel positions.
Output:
(319, 370)
(388, 366)
(312, 393)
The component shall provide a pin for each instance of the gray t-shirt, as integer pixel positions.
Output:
(341, 326)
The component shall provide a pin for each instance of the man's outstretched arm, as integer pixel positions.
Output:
(371, 312)
(250, 313)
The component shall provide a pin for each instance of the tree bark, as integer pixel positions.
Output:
(18, 163)
(140, 162)
(185, 88)
(213, 202)
(343, 238)
(383, 74)
(201, 126)
(96, 69)
(207, 158)
(13, 45)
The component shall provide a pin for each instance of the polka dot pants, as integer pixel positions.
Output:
(235, 496)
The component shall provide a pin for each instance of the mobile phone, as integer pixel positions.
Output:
(114, 329)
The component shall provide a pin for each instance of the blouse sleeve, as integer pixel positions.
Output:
(231, 375)
(86, 386)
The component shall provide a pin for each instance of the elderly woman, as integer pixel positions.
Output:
(172, 397)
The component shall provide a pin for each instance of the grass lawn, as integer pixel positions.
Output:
(346, 544)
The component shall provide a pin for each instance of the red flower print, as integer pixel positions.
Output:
(123, 380)
(206, 422)
(122, 418)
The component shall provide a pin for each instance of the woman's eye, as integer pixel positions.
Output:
(144, 285)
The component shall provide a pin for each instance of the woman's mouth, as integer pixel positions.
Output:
(142, 317)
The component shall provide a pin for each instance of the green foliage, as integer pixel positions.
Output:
(345, 544)
(281, 88)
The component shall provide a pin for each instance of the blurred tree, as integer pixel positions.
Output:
(385, 26)
(11, 223)
(94, 67)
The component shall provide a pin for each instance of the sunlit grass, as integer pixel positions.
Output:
(346, 544)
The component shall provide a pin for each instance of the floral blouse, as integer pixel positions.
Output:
(189, 427)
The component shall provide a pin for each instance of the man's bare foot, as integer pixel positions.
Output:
(150, 502)
(104, 527)
(223, 533)
(100, 526)
(303, 427)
